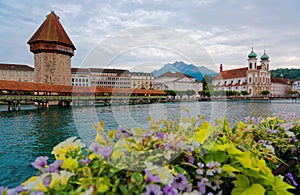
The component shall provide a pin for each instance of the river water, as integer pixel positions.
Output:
(29, 133)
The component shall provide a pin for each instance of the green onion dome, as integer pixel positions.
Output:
(265, 56)
(252, 54)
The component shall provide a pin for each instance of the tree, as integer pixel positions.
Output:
(265, 92)
(244, 93)
(207, 81)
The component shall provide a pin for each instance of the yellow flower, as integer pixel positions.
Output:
(55, 180)
(31, 179)
(92, 156)
(164, 174)
(65, 176)
(35, 184)
(69, 163)
(62, 148)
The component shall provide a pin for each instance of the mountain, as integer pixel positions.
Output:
(197, 72)
(292, 74)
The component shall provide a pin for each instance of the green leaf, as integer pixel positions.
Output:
(229, 169)
(280, 187)
(256, 189)
(86, 172)
(123, 189)
(137, 178)
(241, 184)
(179, 169)
(113, 171)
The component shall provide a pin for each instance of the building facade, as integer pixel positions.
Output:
(16, 72)
(80, 77)
(280, 86)
(107, 78)
(254, 78)
(52, 50)
(141, 80)
(177, 81)
(296, 86)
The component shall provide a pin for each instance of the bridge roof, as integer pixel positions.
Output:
(6, 85)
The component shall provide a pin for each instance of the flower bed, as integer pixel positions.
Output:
(186, 156)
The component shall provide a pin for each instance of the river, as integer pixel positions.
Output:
(29, 133)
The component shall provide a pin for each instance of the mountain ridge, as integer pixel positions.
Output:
(197, 72)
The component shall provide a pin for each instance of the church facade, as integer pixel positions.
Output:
(254, 78)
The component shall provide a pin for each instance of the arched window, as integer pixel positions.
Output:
(250, 65)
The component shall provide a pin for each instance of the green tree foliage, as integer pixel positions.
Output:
(292, 74)
(207, 80)
(265, 92)
(245, 92)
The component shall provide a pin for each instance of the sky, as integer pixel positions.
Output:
(144, 35)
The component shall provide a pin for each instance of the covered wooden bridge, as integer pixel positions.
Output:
(15, 93)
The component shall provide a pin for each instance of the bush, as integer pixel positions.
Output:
(187, 156)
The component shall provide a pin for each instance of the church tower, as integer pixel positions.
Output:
(52, 50)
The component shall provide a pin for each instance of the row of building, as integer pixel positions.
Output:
(108, 78)
(53, 49)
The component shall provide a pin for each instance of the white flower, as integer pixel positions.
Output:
(270, 148)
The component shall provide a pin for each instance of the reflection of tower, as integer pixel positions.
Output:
(52, 50)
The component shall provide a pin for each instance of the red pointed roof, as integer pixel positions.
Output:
(51, 31)
(233, 73)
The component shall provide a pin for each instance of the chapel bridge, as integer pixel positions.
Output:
(15, 93)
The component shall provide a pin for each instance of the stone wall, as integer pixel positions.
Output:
(52, 68)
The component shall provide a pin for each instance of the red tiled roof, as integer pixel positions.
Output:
(76, 70)
(40, 87)
(281, 80)
(16, 67)
(233, 73)
(51, 31)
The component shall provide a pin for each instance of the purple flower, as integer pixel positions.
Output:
(94, 147)
(160, 135)
(261, 141)
(215, 184)
(210, 167)
(275, 131)
(105, 151)
(151, 178)
(37, 193)
(270, 131)
(47, 181)
(200, 169)
(121, 132)
(40, 162)
(85, 161)
(293, 150)
(189, 159)
(218, 168)
(180, 182)
(201, 186)
(54, 167)
(290, 176)
(169, 190)
(153, 189)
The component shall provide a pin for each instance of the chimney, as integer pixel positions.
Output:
(221, 67)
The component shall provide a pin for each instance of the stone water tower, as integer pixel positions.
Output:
(52, 50)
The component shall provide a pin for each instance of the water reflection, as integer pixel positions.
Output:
(28, 134)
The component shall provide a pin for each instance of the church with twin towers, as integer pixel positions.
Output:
(254, 78)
